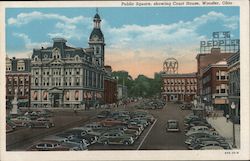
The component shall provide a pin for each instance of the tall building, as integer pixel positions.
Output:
(215, 85)
(18, 79)
(234, 85)
(64, 76)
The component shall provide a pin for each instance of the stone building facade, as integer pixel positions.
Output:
(18, 79)
(64, 76)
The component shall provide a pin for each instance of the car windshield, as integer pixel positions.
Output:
(172, 124)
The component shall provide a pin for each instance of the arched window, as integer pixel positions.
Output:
(97, 50)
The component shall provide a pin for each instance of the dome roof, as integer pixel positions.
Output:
(97, 32)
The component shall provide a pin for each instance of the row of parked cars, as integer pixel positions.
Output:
(109, 128)
(200, 135)
(30, 119)
(152, 104)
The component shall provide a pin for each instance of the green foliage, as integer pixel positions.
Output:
(142, 86)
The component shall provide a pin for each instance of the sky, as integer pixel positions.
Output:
(137, 40)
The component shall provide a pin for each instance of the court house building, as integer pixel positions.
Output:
(64, 76)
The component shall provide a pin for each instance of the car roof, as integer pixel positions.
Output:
(173, 121)
(208, 142)
(199, 127)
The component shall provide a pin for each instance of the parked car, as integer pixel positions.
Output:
(50, 145)
(116, 138)
(172, 125)
(198, 132)
(79, 141)
(111, 122)
(142, 121)
(203, 144)
(96, 132)
(41, 122)
(197, 135)
(11, 124)
(22, 121)
(188, 122)
(82, 134)
(197, 129)
(198, 123)
(212, 148)
(103, 114)
(94, 126)
(33, 115)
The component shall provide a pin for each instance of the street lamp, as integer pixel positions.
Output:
(204, 107)
(233, 118)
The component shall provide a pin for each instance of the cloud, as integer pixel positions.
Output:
(65, 27)
(135, 48)
(142, 49)
(25, 18)
(29, 45)
(154, 36)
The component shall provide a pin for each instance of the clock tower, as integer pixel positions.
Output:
(96, 40)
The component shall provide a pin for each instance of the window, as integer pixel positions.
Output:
(77, 71)
(77, 81)
(36, 81)
(223, 75)
(15, 81)
(223, 91)
(217, 89)
(97, 50)
(76, 95)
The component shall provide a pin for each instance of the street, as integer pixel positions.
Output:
(154, 137)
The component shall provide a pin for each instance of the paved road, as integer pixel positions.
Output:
(154, 137)
(158, 138)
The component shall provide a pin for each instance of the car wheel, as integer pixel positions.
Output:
(47, 126)
(29, 126)
(126, 143)
(106, 142)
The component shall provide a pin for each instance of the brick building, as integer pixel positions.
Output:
(18, 79)
(110, 87)
(234, 84)
(205, 59)
(179, 87)
(215, 85)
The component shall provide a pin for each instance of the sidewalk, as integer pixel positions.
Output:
(225, 129)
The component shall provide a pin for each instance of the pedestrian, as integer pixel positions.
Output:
(75, 111)
(227, 116)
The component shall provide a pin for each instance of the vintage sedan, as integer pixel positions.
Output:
(116, 138)
(50, 145)
(22, 121)
(41, 122)
(172, 125)
(111, 122)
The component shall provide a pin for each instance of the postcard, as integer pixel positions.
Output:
(124, 80)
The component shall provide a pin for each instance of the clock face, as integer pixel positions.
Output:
(95, 37)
